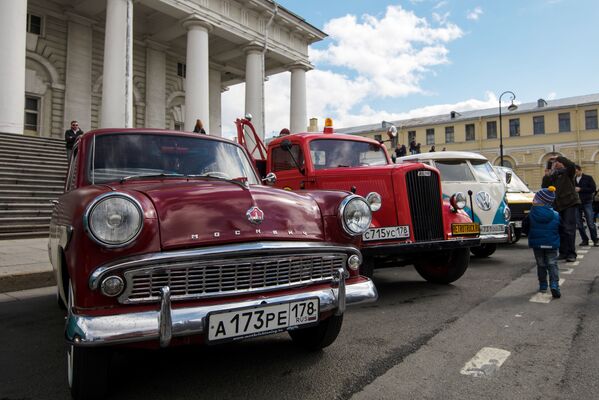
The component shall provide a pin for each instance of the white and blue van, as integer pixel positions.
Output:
(463, 172)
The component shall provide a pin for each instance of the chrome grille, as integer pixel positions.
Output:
(424, 195)
(192, 279)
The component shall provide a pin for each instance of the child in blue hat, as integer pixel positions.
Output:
(542, 227)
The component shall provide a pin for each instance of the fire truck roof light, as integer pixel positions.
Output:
(328, 125)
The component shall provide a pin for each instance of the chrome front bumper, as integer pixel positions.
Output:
(505, 237)
(167, 322)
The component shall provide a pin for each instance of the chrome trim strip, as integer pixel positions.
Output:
(165, 319)
(141, 326)
(101, 197)
(218, 252)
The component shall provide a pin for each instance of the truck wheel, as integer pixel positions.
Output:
(484, 250)
(319, 336)
(87, 368)
(445, 267)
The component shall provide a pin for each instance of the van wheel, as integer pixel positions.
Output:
(87, 368)
(445, 267)
(517, 235)
(484, 250)
(319, 336)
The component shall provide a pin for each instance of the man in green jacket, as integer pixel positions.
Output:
(566, 203)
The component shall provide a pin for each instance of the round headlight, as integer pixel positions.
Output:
(374, 200)
(507, 213)
(458, 201)
(114, 220)
(112, 286)
(355, 215)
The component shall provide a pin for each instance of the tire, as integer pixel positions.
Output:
(319, 336)
(367, 268)
(445, 267)
(517, 235)
(87, 368)
(484, 250)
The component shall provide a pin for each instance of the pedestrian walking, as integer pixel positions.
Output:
(566, 204)
(413, 147)
(70, 137)
(542, 227)
(199, 128)
(586, 187)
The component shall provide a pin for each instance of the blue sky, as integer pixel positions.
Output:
(397, 59)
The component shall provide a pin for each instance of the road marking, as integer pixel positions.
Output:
(574, 264)
(579, 257)
(566, 271)
(583, 251)
(546, 297)
(485, 363)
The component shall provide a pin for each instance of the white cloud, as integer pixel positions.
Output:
(441, 18)
(475, 14)
(552, 96)
(440, 4)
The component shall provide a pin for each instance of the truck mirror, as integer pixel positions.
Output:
(270, 179)
(508, 177)
(392, 132)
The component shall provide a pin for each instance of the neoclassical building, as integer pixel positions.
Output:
(145, 63)
(532, 133)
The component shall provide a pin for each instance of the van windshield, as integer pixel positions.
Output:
(454, 170)
(484, 171)
(328, 153)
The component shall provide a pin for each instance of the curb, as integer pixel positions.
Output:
(34, 280)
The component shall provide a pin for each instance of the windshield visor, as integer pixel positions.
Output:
(345, 153)
(120, 155)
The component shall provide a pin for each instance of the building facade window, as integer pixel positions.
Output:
(34, 24)
(515, 127)
(430, 136)
(32, 111)
(470, 135)
(411, 136)
(181, 70)
(538, 125)
(590, 119)
(564, 122)
(449, 138)
(491, 129)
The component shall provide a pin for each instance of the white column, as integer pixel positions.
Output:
(78, 83)
(215, 103)
(298, 113)
(254, 86)
(155, 85)
(117, 79)
(197, 79)
(13, 39)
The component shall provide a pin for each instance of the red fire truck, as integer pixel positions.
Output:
(411, 223)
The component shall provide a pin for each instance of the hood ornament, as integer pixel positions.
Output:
(255, 215)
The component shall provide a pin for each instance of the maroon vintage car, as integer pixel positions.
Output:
(164, 238)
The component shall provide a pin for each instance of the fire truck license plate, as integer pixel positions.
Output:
(465, 229)
(387, 233)
(261, 320)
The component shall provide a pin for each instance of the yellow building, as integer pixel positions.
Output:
(532, 134)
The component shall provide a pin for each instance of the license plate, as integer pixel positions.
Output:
(261, 320)
(518, 224)
(465, 229)
(387, 233)
(497, 228)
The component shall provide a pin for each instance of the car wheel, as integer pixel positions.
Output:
(445, 267)
(319, 336)
(87, 368)
(517, 235)
(484, 250)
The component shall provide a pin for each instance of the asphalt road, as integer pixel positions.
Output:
(411, 344)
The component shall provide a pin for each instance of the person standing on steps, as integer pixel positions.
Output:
(70, 137)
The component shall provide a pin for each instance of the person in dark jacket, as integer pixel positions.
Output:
(199, 128)
(70, 137)
(547, 176)
(585, 186)
(566, 203)
(542, 227)
(400, 151)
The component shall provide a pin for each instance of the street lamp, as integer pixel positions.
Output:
(511, 107)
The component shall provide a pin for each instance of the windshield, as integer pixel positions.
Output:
(120, 155)
(516, 185)
(454, 170)
(345, 153)
(484, 171)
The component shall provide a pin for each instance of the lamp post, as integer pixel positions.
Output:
(511, 107)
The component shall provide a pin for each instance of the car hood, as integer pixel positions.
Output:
(196, 213)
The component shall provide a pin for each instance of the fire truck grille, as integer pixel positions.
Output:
(424, 194)
(196, 279)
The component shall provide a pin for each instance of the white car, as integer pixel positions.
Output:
(473, 175)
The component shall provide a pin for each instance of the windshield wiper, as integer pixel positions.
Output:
(342, 166)
(215, 177)
(141, 176)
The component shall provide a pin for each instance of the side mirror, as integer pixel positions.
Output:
(392, 132)
(508, 177)
(248, 116)
(270, 179)
(286, 144)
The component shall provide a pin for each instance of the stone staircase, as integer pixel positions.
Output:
(32, 174)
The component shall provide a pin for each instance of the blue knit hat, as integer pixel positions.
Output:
(545, 196)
